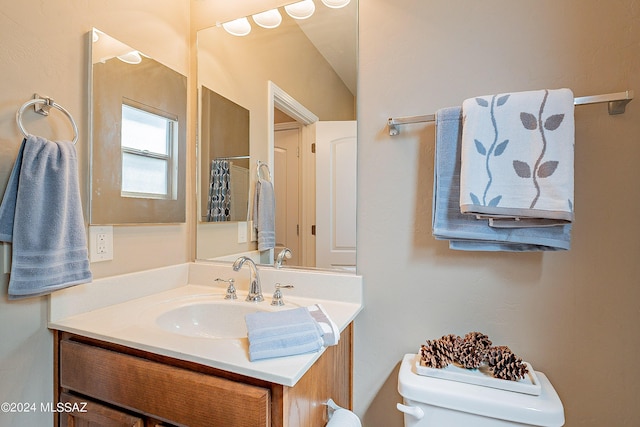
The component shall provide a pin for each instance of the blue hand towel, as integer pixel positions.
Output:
(282, 333)
(41, 214)
(463, 231)
(264, 214)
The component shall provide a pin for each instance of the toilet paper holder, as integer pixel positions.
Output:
(343, 417)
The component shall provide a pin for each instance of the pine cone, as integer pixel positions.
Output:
(504, 364)
(481, 340)
(436, 353)
(493, 353)
(469, 354)
(453, 340)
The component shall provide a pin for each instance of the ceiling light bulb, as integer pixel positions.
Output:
(238, 27)
(335, 4)
(269, 19)
(132, 57)
(301, 10)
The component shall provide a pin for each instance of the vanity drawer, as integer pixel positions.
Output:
(174, 394)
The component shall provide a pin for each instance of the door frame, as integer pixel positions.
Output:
(280, 99)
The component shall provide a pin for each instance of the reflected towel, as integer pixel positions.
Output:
(463, 231)
(517, 158)
(264, 214)
(41, 214)
(282, 333)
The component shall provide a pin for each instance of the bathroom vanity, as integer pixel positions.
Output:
(116, 366)
(128, 387)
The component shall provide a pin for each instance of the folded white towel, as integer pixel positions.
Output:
(330, 331)
(517, 158)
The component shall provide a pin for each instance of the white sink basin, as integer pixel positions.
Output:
(216, 319)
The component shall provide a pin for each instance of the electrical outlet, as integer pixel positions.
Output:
(100, 243)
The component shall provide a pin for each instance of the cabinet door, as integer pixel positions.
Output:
(161, 391)
(86, 413)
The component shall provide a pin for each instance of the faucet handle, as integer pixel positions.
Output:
(231, 289)
(277, 295)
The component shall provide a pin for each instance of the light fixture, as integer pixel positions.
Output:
(269, 19)
(132, 57)
(335, 4)
(301, 10)
(238, 27)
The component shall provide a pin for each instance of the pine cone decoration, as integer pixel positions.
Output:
(436, 353)
(504, 364)
(469, 354)
(454, 341)
(481, 340)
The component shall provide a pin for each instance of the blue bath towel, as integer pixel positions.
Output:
(465, 232)
(41, 214)
(282, 333)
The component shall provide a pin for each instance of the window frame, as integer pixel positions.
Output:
(171, 157)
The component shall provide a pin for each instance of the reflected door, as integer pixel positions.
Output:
(286, 186)
(336, 163)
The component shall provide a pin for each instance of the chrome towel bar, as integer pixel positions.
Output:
(617, 103)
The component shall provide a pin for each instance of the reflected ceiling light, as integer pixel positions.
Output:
(238, 27)
(132, 57)
(269, 19)
(301, 10)
(335, 4)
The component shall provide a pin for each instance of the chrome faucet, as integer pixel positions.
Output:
(284, 253)
(255, 290)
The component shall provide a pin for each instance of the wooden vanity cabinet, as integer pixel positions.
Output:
(115, 385)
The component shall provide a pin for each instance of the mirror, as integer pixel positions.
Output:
(224, 157)
(311, 62)
(138, 136)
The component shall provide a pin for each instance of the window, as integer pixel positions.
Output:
(149, 163)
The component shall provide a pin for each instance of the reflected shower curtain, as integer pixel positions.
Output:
(219, 206)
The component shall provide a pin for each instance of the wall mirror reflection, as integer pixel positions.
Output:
(138, 136)
(295, 80)
(224, 157)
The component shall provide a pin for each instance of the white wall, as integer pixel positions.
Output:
(573, 315)
(44, 49)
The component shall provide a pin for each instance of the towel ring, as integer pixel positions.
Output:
(260, 165)
(48, 102)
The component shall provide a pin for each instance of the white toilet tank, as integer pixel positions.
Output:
(436, 402)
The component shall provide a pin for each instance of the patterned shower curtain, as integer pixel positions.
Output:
(219, 206)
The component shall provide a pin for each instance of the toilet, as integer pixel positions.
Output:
(436, 402)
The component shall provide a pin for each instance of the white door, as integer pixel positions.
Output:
(336, 160)
(286, 149)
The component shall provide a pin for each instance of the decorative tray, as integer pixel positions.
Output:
(482, 376)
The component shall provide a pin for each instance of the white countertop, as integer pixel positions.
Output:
(131, 322)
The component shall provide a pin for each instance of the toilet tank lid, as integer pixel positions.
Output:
(543, 410)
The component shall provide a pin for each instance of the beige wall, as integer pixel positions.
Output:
(44, 49)
(573, 315)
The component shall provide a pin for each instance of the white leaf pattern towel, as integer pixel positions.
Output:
(517, 158)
